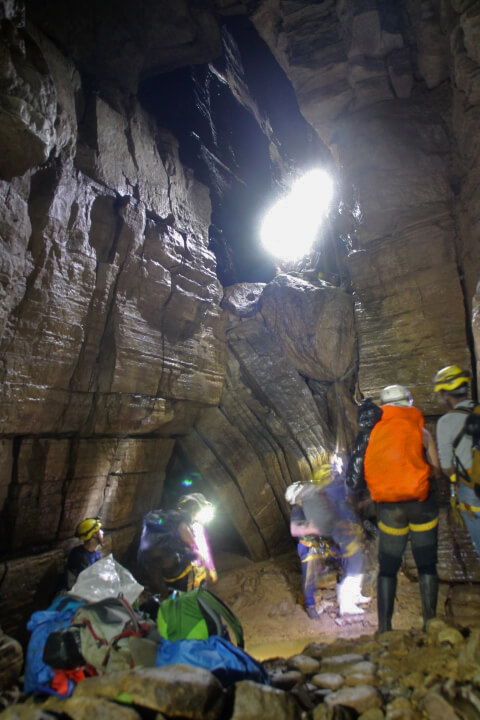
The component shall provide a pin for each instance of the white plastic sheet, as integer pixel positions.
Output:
(105, 579)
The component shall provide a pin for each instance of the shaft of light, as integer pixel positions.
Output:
(201, 542)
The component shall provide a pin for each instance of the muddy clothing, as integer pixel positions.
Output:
(79, 559)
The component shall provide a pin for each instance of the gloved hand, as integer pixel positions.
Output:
(457, 515)
(213, 575)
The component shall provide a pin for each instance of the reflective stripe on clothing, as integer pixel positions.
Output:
(182, 574)
(466, 507)
(414, 527)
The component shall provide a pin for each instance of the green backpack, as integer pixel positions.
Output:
(197, 614)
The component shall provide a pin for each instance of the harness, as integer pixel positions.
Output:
(462, 474)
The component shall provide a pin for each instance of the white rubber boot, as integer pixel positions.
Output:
(346, 596)
(359, 598)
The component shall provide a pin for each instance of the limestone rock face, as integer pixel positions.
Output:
(111, 334)
(117, 43)
(314, 325)
(357, 82)
(264, 447)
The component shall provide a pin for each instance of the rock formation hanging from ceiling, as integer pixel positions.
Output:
(120, 349)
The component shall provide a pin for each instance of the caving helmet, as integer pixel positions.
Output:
(396, 395)
(322, 475)
(197, 507)
(452, 379)
(294, 492)
(87, 528)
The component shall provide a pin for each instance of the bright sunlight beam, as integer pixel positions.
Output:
(291, 225)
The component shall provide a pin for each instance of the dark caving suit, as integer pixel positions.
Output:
(389, 455)
(165, 559)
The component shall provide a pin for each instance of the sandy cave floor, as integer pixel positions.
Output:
(267, 598)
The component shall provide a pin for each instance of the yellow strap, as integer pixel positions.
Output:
(352, 548)
(468, 508)
(423, 527)
(420, 527)
(309, 543)
(182, 574)
(391, 530)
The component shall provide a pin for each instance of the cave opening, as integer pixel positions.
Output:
(240, 128)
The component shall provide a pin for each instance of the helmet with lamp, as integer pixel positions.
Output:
(198, 508)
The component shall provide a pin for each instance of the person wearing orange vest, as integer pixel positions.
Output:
(399, 459)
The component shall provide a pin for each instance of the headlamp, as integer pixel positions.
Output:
(205, 514)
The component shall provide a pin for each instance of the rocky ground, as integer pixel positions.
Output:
(328, 669)
(267, 598)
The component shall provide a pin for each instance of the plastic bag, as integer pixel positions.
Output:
(106, 579)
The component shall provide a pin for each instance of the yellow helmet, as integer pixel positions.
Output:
(451, 378)
(87, 528)
(322, 475)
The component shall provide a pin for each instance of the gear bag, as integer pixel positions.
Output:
(109, 633)
(197, 614)
(469, 476)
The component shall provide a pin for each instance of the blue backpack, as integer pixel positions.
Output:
(38, 675)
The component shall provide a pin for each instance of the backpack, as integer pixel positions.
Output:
(197, 614)
(38, 673)
(395, 468)
(162, 554)
(470, 476)
(109, 634)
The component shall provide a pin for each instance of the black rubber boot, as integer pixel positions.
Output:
(429, 594)
(386, 588)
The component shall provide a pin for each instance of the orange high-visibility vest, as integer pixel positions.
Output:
(395, 468)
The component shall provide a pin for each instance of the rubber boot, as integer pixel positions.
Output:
(347, 591)
(429, 594)
(358, 597)
(386, 589)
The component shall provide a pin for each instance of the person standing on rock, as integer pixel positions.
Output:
(90, 532)
(320, 509)
(455, 447)
(399, 459)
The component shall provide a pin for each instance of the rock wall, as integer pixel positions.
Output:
(117, 342)
(112, 336)
(114, 344)
(392, 90)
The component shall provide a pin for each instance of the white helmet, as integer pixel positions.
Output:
(396, 395)
(294, 492)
